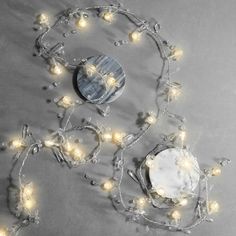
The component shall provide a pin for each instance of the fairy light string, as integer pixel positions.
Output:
(24, 204)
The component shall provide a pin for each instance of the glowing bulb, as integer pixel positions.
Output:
(176, 54)
(183, 202)
(42, 19)
(29, 204)
(186, 164)
(213, 207)
(173, 92)
(151, 119)
(111, 81)
(3, 232)
(78, 154)
(135, 36)
(65, 102)
(49, 143)
(160, 191)
(175, 215)
(108, 185)
(56, 69)
(108, 16)
(216, 171)
(68, 147)
(117, 137)
(141, 202)
(182, 135)
(90, 69)
(107, 137)
(17, 144)
(82, 22)
(28, 191)
(149, 163)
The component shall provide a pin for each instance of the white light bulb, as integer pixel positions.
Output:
(135, 36)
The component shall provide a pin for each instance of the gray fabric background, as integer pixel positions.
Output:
(68, 205)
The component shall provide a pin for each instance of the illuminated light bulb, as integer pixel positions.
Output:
(176, 54)
(182, 135)
(160, 191)
(135, 36)
(65, 102)
(149, 163)
(68, 147)
(108, 185)
(213, 207)
(49, 143)
(42, 19)
(108, 16)
(186, 164)
(28, 191)
(78, 154)
(183, 202)
(141, 202)
(90, 69)
(29, 204)
(107, 137)
(216, 171)
(173, 92)
(82, 22)
(111, 81)
(117, 137)
(151, 119)
(16, 144)
(56, 69)
(3, 232)
(175, 215)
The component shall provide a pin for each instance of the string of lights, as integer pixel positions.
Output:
(22, 197)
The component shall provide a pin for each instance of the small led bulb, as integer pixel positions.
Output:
(183, 202)
(90, 69)
(173, 92)
(42, 19)
(28, 190)
(176, 54)
(141, 202)
(3, 232)
(65, 102)
(135, 36)
(111, 81)
(82, 22)
(117, 137)
(160, 191)
(213, 207)
(68, 147)
(49, 143)
(78, 154)
(151, 119)
(108, 185)
(29, 204)
(16, 144)
(182, 135)
(56, 69)
(216, 171)
(108, 16)
(175, 215)
(186, 164)
(149, 163)
(107, 137)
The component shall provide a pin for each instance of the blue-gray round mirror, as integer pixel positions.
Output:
(100, 79)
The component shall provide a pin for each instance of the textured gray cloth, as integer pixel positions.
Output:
(68, 204)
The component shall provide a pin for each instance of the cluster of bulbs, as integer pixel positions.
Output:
(77, 152)
(109, 79)
(134, 36)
